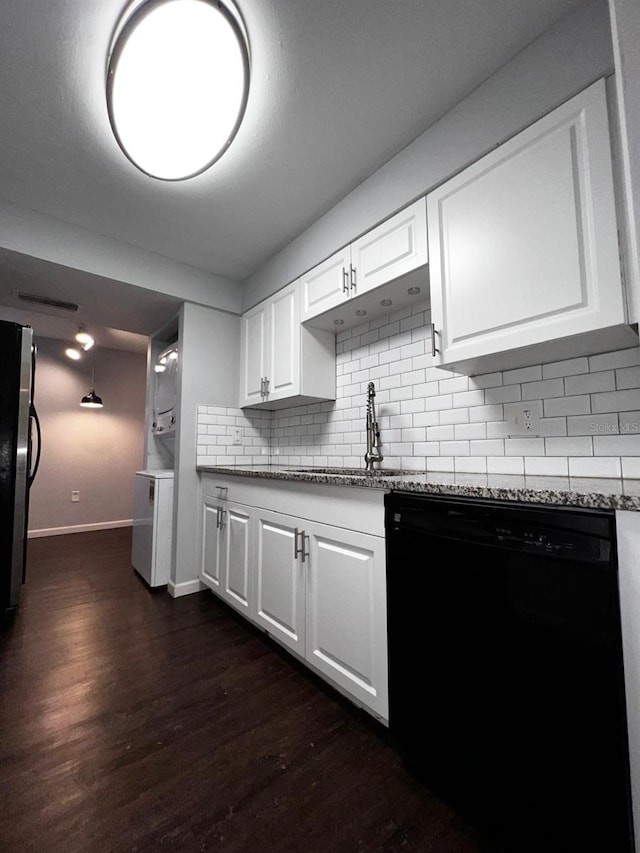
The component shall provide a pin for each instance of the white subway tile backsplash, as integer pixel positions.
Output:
(580, 405)
(503, 394)
(616, 401)
(593, 425)
(470, 431)
(468, 398)
(590, 383)
(441, 433)
(595, 466)
(543, 389)
(486, 413)
(485, 380)
(453, 386)
(574, 446)
(616, 445)
(544, 466)
(454, 416)
(565, 368)
(438, 420)
(612, 360)
(523, 374)
(524, 446)
(505, 465)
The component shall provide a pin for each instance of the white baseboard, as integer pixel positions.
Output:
(177, 590)
(79, 528)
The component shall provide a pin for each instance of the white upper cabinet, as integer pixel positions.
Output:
(524, 246)
(282, 363)
(385, 254)
(326, 285)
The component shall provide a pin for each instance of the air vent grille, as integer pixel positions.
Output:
(45, 300)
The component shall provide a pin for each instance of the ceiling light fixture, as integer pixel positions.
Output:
(413, 290)
(386, 302)
(91, 400)
(178, 84)
(83, 337)
(73, 353)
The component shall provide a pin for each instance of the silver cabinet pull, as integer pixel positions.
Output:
(262, 386)
(353, 277)
(345, 281)
(223, 513)
(218, 521)
(434, 332)
(266, 386)
(297, 551)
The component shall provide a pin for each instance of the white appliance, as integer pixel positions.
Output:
(165, 391)
(152, 526)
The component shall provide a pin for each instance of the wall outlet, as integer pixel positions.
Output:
(237, 436)
(523, 417)
(75, 497)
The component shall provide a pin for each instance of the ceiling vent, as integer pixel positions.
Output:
(51, 303)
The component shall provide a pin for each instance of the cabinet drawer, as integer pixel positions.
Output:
(342, 506)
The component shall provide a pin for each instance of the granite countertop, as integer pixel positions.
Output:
(561, 491)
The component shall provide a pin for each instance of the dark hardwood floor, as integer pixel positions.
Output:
(130, 721)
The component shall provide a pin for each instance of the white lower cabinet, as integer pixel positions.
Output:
(227, 552)
(317, 588)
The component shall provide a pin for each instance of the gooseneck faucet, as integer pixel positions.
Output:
(373, 453)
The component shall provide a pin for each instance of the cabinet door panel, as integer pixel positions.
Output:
(395, 248)
(280, 604)
(323, 287)
(284, 377)
(211, 558)
(346, 612)
(523, 243)
(255, 344)
(237, 574)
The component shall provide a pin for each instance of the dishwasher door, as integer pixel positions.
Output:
(505, 618)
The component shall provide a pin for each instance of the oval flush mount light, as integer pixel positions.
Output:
(177, 85)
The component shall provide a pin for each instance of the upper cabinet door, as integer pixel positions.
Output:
(396, 247)
(284, 320)
(326, 285)
(255, 341)
(523, 243)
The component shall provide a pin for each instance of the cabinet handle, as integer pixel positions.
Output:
(223, 512)
(266, 387)
(297, 551)
(218, 522)
(353, 277)
(434, 332)
(345, 281)
(262, 386)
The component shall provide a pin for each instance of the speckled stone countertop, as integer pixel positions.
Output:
(561, 491)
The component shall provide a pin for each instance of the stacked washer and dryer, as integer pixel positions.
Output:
(153, 490)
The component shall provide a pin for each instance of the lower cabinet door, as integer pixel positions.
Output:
(236, 585)
(280, 593)
(212, 555)
(346, 619)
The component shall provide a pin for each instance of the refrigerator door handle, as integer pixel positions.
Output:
(34, 419)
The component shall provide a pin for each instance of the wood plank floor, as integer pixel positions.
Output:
(130, 721)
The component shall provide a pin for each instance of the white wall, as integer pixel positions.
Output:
(556, 66)
(93, 451)
(208, 369)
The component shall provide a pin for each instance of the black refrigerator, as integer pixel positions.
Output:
(19, 457)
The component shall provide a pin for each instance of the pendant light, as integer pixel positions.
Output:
(91, 400)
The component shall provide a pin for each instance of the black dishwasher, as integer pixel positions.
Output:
(506, 687)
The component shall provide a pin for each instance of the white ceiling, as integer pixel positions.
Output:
(338, 87)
